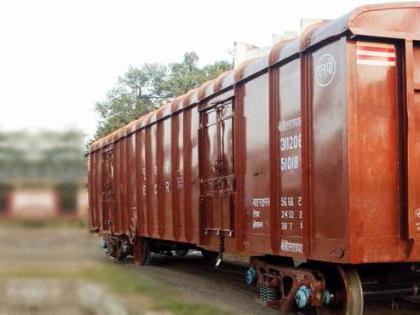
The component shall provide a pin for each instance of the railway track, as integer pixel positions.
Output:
(226, 284)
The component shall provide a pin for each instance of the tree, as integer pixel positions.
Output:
(135, 94)
(39, 157)
(184, 76)
(143, 89)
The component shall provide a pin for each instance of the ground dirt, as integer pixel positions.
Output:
(225, 285)
(59, 250)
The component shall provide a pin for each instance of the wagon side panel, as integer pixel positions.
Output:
(141, 183)
(177, 179)
(414, 150)
(384, 150)
(131, 184)
(289, 149)
(124, 186)
(165, 170)
(412, 105)
(93, 224)
(192, 192)
(256, 208)
(151, 178)
(327, 146)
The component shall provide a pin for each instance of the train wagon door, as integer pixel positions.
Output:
(107, 185)
(217, 170)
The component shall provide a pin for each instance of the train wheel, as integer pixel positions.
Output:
(108, 246)
(121, 253)
(141, 251)
(346, 286)
(112, 247)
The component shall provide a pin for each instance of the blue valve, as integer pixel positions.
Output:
(327, 297)
(250, 276)
(302, 296)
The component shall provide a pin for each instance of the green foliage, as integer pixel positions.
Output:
(41, 157)
(140, 90)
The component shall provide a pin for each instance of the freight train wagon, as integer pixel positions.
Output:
(306, 160)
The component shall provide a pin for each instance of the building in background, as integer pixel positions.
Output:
(42, 174)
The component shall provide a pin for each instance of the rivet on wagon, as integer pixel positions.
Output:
(337, 252)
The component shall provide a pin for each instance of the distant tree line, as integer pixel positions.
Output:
(141, 90)
(49, 157)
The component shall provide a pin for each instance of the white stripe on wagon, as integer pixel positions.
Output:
(376, 62)
(374, 53)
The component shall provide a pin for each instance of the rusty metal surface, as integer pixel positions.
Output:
(317, 157)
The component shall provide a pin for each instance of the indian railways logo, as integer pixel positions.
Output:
(418, 213)
(325, 70)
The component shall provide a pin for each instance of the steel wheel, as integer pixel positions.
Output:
(347, 287)
(120, 253)
(354, 291)
(141, 251)
(111, 246)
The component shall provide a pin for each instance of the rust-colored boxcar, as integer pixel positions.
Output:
(310, 155)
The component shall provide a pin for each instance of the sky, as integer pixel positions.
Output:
(58, 57)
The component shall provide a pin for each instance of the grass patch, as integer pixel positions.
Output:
(162, 296)
(186, 308)
(124, 282)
